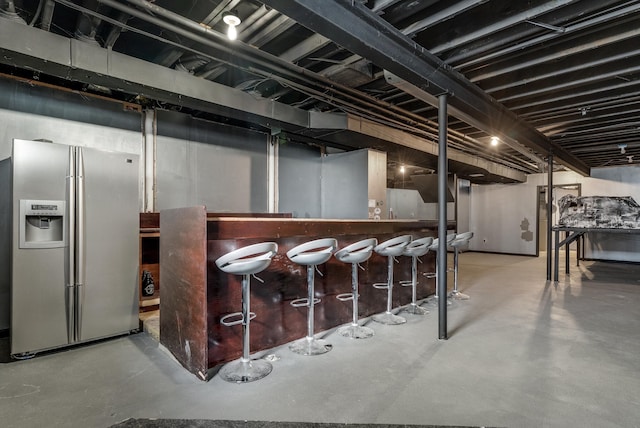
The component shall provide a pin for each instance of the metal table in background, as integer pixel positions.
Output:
(573, 234)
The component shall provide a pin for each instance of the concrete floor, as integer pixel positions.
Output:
(521, 353)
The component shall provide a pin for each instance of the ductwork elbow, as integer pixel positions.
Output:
(8, 11)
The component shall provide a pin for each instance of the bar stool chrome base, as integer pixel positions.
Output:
(243, 371)
(390, 248)
(415, 249)
(310, 346)
(356, 253)
(460, 241)
(458, 295)
(413, 308)
(245, 261)
(355, 331)
(434, 301)
(389, 319)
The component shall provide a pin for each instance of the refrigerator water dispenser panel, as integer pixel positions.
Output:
(42, 224)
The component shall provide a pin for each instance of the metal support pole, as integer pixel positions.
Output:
(354, 291)
(272, 173)
(442, 217)
(557, 255)
(578, 253)
(246, 316)
(414, 280)
(566, 255)
(311, 273)
(549, 214)
(389, 283)
(455, 269)
(149, 154)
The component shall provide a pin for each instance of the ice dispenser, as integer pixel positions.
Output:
(42, 224)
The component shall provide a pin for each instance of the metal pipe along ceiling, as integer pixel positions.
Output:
(304, 81)
(288, 73)
(354, 26)
(519, 47)
(291, 75)
(160, 82)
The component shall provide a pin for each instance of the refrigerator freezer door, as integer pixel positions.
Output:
(39, 277)
(108, 242)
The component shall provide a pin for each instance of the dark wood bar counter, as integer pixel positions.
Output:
(196, 294)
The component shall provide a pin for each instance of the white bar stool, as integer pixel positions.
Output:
(245, 261)
(391, 248)
(355, 254)
(311, 254)
(415, 249)
(434, 247)
(461, 241)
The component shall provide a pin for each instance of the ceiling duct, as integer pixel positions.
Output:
(362, 32)
(87, 26)
(26, 47)
(8, 11)
(430, 99)
(427, 187)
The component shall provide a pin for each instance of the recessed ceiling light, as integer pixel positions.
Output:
(476, 175)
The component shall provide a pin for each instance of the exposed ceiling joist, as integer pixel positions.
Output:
(26, 47)
(361, 31)
(564, 68)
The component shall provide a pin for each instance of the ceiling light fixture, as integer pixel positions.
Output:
(494, 141)
(232, 20)
(402, 169)
(622, 148)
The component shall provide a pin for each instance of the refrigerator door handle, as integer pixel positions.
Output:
(71, 250)
(80, 243)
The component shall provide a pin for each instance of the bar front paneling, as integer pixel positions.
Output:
(277, 322)
(183, 306)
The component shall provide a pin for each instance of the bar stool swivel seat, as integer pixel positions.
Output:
(460, 241)
(356, 253)
(245, 261)
(434, 247)
(415, 249)
(390, 248)
(311, 254)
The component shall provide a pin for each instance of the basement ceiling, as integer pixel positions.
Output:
(559, 76)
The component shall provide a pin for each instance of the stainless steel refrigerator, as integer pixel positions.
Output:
(74, 245)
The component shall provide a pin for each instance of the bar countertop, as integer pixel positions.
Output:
(196, 294)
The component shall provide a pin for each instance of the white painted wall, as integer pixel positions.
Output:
(500, 212)
(27, 126)
(203, 163)
(344, 185)
(463, 209)
(407, 204)
(300, 197)
(377, 185)
(619, 181)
